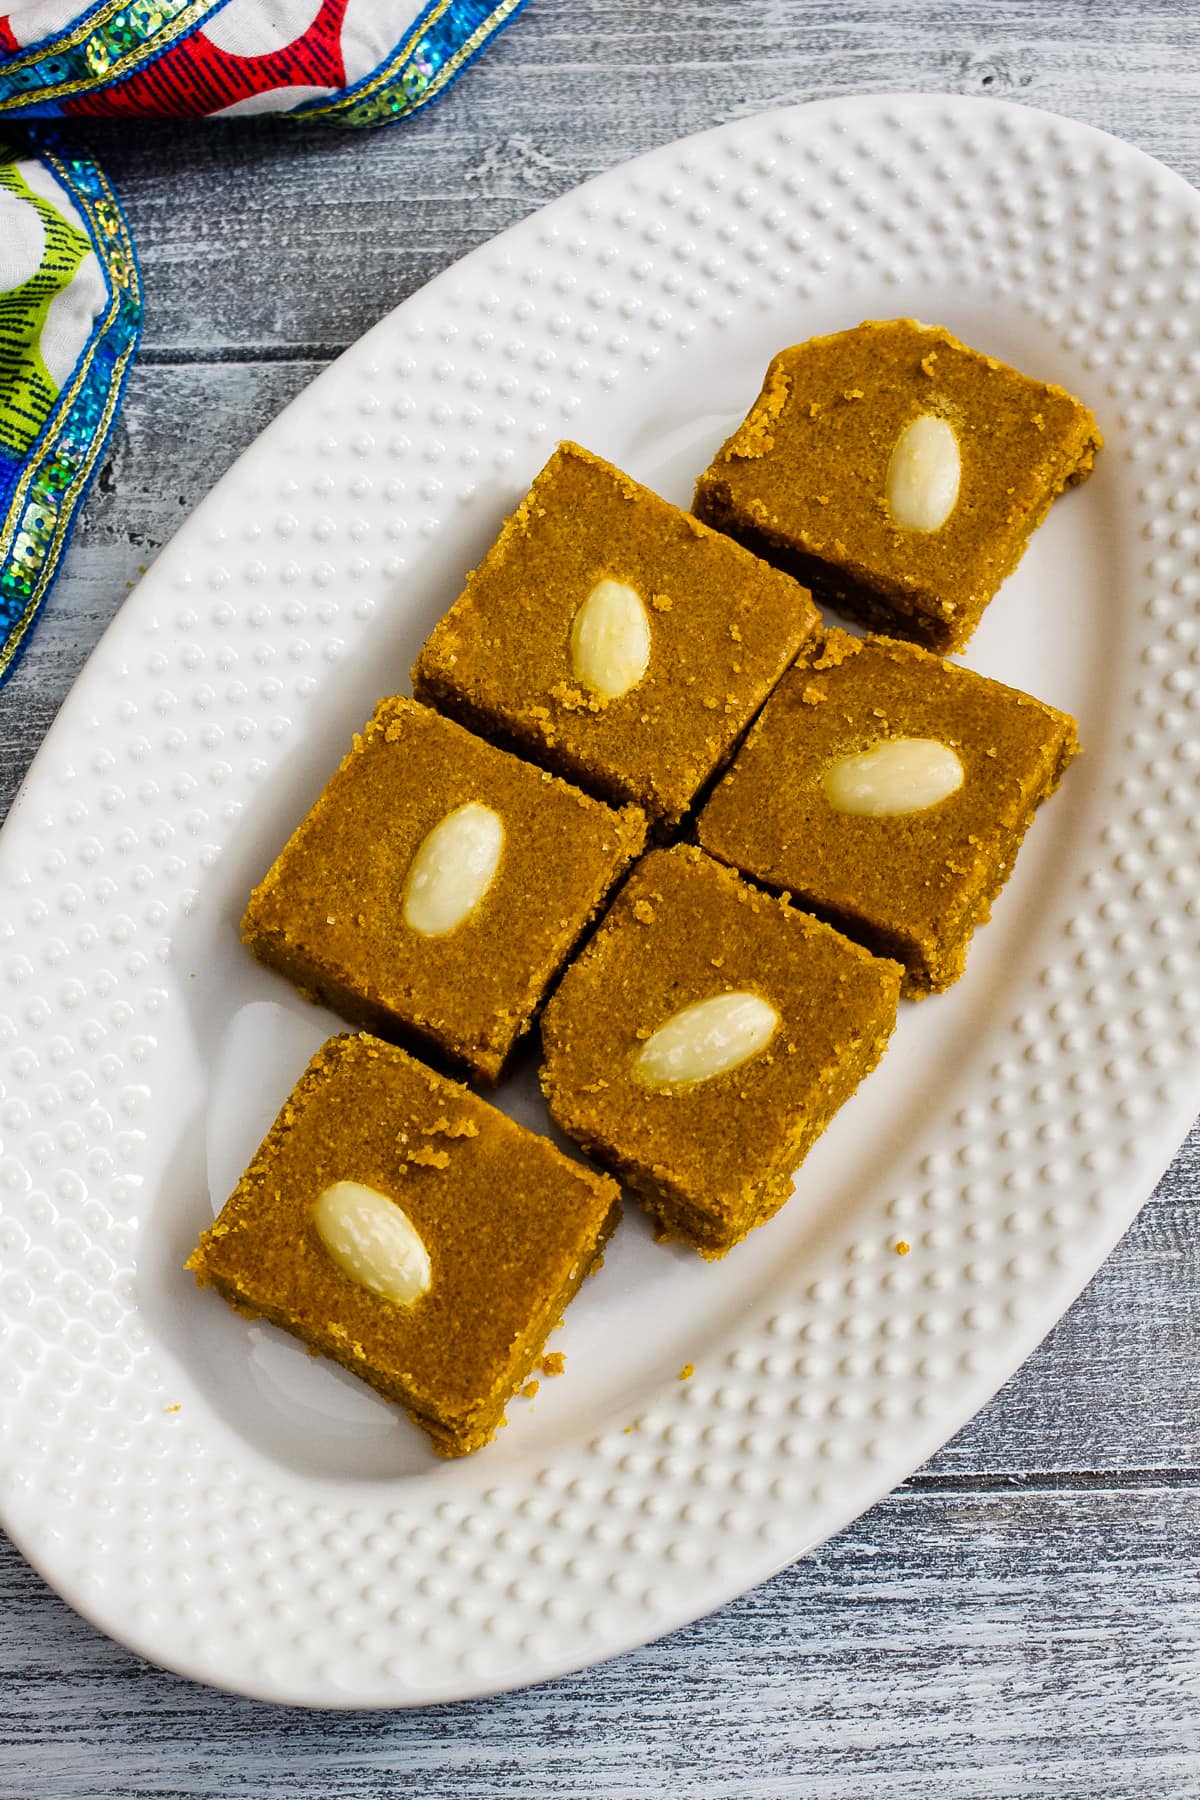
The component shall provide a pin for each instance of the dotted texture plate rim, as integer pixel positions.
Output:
(835, 1379)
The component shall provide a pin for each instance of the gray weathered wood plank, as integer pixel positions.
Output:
(953, 1644)
(566, 92)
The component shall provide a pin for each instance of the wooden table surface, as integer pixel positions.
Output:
(1023, 1616)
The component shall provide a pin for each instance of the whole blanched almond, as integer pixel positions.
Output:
(707, 1038)
(373, 1241)
(923, 474)
(610, 639)
(896, 775)
(453, 869)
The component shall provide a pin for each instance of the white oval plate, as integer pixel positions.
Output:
(196, 1485)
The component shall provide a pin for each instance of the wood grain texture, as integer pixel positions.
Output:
(1023, 1617)
(572, 89)
(1046, 1642)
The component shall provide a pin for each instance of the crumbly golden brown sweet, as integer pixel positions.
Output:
(915, 885)
(717, 628)
(510, 1225)
(710, 1158)
(331, 912)
(804, 478)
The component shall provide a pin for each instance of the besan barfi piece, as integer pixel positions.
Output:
(395, 1222)
(614, 638)
(438, 886)
(704, 1040)
(899, 473)
(889, 791)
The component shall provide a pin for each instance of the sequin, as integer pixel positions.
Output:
(148, 16)
(98, 55)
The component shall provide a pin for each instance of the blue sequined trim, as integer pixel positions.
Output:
(101, 47)
(42, 496)
(447, 36)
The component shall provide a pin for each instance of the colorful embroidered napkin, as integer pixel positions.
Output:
(70, 316)
(70, 294)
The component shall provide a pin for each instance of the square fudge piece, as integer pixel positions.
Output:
(396, 1223)
(438, 886)
(889, 791)
(899, 473)
(704, 1040)
(614, 638)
